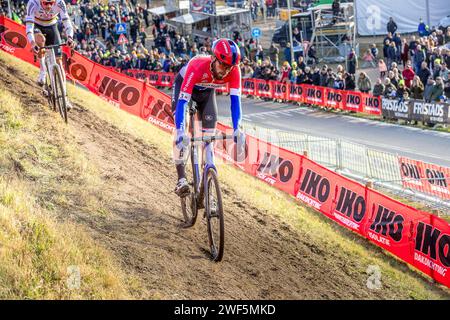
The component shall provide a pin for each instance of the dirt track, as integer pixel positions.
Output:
(264, 257)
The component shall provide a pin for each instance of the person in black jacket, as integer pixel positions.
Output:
(424, 73)
(391, 26)
(349, 81)
(316, 77)
(336, 7)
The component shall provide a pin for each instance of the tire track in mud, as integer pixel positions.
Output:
(264, 257)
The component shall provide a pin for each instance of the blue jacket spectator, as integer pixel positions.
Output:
(423, 29)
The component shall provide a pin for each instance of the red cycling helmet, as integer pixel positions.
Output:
(226, 51)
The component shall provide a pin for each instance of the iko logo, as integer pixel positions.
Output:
(316, 186)
(351, 204)
(276, 167)
(388, 220)
(430, 241)
(334, 96)
(119, 91)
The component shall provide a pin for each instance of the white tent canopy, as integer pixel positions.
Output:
(159, 11)
(372, 16)
(190, 18)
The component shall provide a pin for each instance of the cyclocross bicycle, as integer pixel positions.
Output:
(205, 189)
(54, 86)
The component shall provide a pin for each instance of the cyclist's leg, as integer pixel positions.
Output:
(177, 154)
(208, 114)
(40, 41)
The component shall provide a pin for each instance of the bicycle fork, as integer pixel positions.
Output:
(208, 163)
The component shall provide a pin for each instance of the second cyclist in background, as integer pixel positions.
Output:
(42, 30)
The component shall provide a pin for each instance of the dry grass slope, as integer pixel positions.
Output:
(38, 247)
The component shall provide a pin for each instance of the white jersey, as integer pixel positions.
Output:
(37, 15)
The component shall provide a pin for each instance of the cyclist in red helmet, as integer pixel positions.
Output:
(197, 80)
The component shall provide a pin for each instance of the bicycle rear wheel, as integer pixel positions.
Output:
(189, 203)
(214, 215)
(60, 94)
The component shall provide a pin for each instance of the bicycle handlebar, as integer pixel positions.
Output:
(212, 138)
(54, 46)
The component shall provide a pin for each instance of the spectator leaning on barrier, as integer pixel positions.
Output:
(349, 81)
(390, 91)
(338, 82)
(364, 84)
(438, 90)
(323, 77)
(378, 89)
(402, 91)
(417, 88)
(428, 89)
(308, 75)
(316, 77)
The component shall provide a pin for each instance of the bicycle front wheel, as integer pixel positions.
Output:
(214, 215)
(189, 203)
(59, 93)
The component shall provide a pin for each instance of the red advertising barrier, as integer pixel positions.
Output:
(335, 99)
(79, 68)
(321, 96)
(353, 101)
(339, 198)
(14, 40)
(425, 177)
(371, 104)
(156, 108)
(248, 87)
(280, 90)
(416, 237)
(263, 88)
(314, 95)
(296, 93)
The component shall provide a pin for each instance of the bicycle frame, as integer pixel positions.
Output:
(51, 63)
(207, 151)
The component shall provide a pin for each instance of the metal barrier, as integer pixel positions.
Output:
(348, 158)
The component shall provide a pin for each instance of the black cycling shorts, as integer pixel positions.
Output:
(52, 36)
(205, 100)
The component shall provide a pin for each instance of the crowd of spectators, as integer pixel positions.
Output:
(414, 67)
(409, 67)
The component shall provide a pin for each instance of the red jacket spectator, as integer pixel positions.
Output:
(408, 74)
